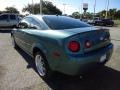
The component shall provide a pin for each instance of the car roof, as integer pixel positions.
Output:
(8, 14)
(49, 16)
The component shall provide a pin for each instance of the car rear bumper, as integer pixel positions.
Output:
(81, 64)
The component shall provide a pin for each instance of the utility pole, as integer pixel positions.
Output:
(107, 9)
(32, 7)
(41, 7)
(81, 9)
(64, 7)
(94, 9)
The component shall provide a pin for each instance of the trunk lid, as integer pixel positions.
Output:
(98, 38)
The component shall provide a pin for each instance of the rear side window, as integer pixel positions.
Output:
(34, 23)
(3, 17)
(29, 23)
(63, 22)
(12, 17)
(25, 23)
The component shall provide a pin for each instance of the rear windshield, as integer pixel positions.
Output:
(63, 22)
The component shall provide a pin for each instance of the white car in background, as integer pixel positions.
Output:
(9, 20)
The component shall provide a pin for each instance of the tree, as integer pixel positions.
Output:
(89, 15)
(76, 15)
(11, 10)
(47, 8)
(112, 13)
(101, 14)
(117, 15)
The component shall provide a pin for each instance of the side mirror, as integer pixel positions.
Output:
(33, 27)
(22, 25)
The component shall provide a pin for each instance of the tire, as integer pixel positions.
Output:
(112, 25)
(42, 66)
(13, 42)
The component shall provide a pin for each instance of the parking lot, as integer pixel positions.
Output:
(17, 70)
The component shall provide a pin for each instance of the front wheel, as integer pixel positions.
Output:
(42, 66)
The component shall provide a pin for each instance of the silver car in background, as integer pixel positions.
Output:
(9, 20)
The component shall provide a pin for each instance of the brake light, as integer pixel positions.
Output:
(74, 46)
(87, 44)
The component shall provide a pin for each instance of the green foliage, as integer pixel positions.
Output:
(10, 10)
(118, 14)
(77, 15)
(89, 15)
(47, 8)
(112, 13)
(101, 14)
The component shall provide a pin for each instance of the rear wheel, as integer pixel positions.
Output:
(42, 66)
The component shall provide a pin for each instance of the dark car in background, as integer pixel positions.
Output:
(104, 22)
(101, 22)
(108, 22)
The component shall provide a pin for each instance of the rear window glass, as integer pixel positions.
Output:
(63, 22)
(12, 17)
(3, 17)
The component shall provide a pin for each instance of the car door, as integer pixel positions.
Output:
(29, 37)
(19, 33)
(25, 34)
(4, 20)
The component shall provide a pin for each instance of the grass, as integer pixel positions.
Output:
(117, 23)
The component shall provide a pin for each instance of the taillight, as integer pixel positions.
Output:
(87, 44)
(74, 46)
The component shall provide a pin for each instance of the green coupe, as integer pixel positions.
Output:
(63, 44)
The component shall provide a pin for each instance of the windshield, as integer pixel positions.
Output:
(63, 22)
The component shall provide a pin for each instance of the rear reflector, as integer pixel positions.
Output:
(56, 54)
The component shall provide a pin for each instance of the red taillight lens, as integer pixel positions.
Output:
(74, 46)
(87, 44)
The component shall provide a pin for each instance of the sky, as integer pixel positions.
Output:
(66, 6)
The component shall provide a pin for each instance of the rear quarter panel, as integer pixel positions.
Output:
(49, 43)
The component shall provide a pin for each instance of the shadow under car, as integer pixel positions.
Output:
(105, 78)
